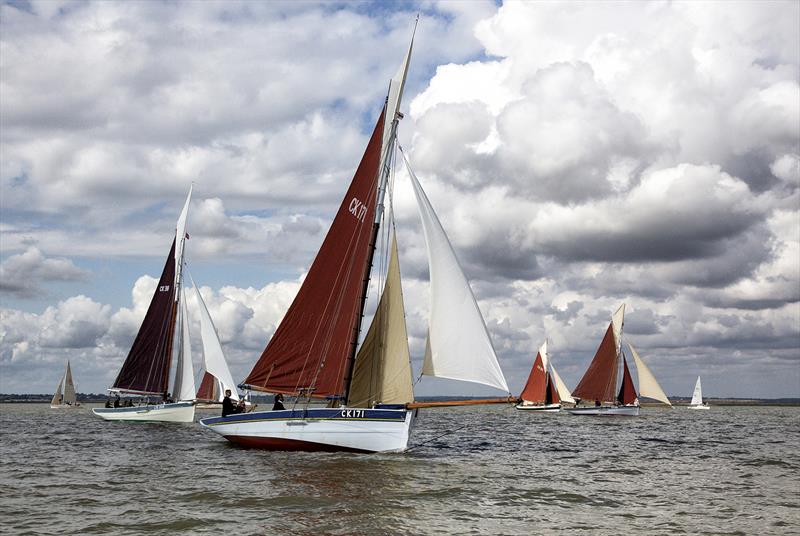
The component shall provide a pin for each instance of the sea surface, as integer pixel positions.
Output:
(487, 470)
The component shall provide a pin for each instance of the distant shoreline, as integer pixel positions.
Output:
(677, 401)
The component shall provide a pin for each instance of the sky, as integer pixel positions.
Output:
(580, 155)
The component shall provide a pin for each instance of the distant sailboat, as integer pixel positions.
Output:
(697, 397)
(541, 392)
(66, 399)
(314, 353)
(599, 383)
(146, 370)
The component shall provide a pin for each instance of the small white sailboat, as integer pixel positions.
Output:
(67, 398)
(697, 397)
(314, 353)
(599, 383)
(544, 391)
(146, 370)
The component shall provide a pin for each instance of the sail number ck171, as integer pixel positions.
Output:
(358, 209)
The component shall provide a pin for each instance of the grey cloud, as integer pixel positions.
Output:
(23, 274)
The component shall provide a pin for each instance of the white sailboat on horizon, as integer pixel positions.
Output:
(64, 396)
(697, 397)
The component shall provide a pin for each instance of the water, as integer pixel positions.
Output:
(730, 470)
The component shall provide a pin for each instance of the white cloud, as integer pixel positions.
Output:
(24, 274)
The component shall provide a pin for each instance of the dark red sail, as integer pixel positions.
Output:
(146, 369)
(600, 380)
(627, 392)
(310, 348)
(535, 389)
(552, 392)
(207, 390)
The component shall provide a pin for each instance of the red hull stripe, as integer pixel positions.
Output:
(275, 443)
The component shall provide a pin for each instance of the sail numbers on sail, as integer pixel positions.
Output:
(358, 209)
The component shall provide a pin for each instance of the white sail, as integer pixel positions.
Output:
(563, 392)
(180, 240)
(57, 398)
(543, 353)
(213, 357)
(460, 347)
(697, 396)
(617, 321)
(648, 386)
(184, 388)
(69, 388)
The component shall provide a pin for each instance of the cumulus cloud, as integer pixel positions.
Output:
(23, 274)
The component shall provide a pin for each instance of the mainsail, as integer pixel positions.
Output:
(648, 386)
(382, 371)
(309, 351)
(458, 346)
(146, 369)
(697, 396)
(69, 387)
(600, 380)
(536, 387)
(214, 359)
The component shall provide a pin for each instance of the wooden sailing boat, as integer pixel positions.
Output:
(697, 397)
(544, 390)
(599, 384)
(146, 370)
(314, 352)
(66, 399)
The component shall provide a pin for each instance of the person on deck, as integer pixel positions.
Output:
(227, 405)
(278, 405)
(116, 400)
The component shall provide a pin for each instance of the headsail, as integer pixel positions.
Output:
(563, 392)
(459, 343)
(648, 386)
(57, 396)
(697, 396)
(213, 357)
(627, 392)
(309, 351)
(146, 369)
(183, 387)
(208, 389)
(382, 370)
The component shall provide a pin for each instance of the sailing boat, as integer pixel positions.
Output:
(697, 397)
(146, 370)
(67, 399)
(217, 377)
(544, 390)
(314, 353)
(599, 383)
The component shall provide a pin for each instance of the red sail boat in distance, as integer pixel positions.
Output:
(315, 353)
(544, 391)
(598, 387)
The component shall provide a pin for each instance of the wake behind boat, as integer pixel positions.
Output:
(599, 383)
(314, 353)
(146, 370)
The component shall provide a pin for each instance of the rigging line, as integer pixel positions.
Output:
(437, 437)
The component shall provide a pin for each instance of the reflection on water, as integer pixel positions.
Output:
(499, 471)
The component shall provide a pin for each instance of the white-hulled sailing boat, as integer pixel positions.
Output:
(146, 370)
(599, 384)
(313, 353)
(66, 399)
(697, 397)
(544, 390)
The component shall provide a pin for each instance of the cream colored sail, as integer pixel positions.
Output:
(460, 346)
(648, 386)
(184, 388)
(213, 357)
(697, 396)
(563, 392)
(57, 397)
(69, 388)
(617, 321)
(382, 371)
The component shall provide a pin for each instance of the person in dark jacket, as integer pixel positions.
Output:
(278, 405)
(227, 405)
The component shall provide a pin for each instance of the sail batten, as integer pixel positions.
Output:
(459, 346)
(309, 350)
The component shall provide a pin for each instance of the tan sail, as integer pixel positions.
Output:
(56, 400)
(382, 371)
(69, 388)
(648, 386)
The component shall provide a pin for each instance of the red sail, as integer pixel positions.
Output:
(552, 392)
(627, 392)
(600, 380)
(207, 388)
(146, 369)
(310, 348)
(535, 389)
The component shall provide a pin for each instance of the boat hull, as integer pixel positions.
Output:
(318, 429)
(611, 411)
(539, 408)
(701, 406)
(65, 406)
(174, 412)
